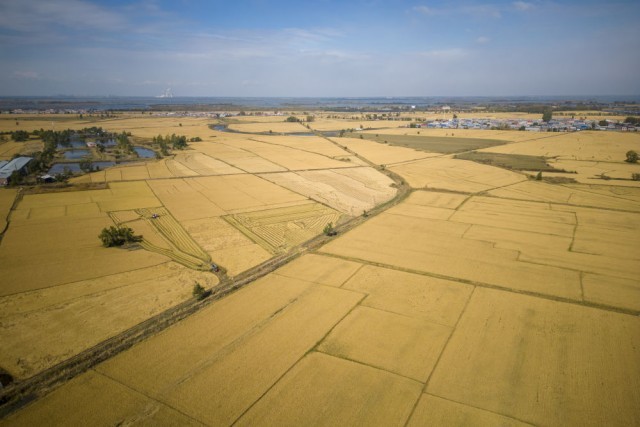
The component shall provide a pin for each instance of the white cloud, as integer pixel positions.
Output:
(27, 75)
(27, 15)
(522, 6)
(483, 40)
(424, 10)
(444, 54)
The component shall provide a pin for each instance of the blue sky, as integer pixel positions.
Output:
(319, 48)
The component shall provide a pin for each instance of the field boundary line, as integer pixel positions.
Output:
(444, 348)
(557, 298)
(141, 393)
(480, 409)
(310, 350)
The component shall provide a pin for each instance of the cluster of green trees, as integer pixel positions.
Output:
(117, 236)
(177, 142)
(123, 142)
(20, 135)
(632, 120)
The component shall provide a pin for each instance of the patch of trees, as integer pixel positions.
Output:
(547, 114)
(199, 292)
(124, 144)
(20, 135)
(117, 236)
(291, 119)
(632, 157)
(329, 230)
(177, 142)
(632, 120)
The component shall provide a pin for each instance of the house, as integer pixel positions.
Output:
(18, 164)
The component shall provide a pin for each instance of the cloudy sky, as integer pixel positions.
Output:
(319, 48)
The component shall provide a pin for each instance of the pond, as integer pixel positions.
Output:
(72, 144)
(221, 128)
(145, 153)
(75, 167)
(76, 154)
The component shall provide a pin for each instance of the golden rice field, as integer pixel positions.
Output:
(483, 298)
(278, 230)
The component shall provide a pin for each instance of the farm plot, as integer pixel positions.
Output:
(604, 197)
(58, 250)
(455, 175)
(279, 127)
(8, 149)
(403, 345)
(226, 244)
(508, 347)
(312, 144)
(260, 319)
(380, 153)
(589, 146)
(244, 160)
(205, 197)
(43, 327)
(350, 191)
(278, 230)
(325, 390)
(287, 157)
(438, 246)
(7, 197)
(432, 144)
(174, 242)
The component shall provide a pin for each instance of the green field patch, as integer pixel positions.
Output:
(433, 144)
(510, 161)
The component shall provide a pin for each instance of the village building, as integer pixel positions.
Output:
(19, 164)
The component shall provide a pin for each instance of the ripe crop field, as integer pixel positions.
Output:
(8, 149)
(278, 230)
(483, 297)
(455, 175)
(7, 197)
(350, 191)
(277, 127)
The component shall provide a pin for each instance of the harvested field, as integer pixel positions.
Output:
(455, 175)
(289, 158)
(170, 240)
(312, 144)
(585, 145)
(278, 230)
(381, 154)
(278, 127)
(351, 191)
(431, 144)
